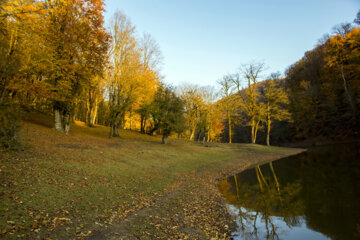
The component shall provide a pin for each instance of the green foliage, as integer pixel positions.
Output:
(144, 112)
(9, 126)
(167, 112)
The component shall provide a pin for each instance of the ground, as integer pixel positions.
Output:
(87, 186)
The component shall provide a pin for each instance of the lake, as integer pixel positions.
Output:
(313, 195)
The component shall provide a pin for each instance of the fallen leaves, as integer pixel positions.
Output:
(47, 190)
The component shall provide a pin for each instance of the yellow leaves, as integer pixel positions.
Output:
(61, 219)
(84, 234)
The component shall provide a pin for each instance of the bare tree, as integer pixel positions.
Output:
(151, 53)
(357, 19)
(342, 29)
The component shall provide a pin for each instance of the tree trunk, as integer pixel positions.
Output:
(92, 113)
(253, 131)
(192, 136)
(58, 121)
(268, 132)
(87, 115)
(164, 137)
(229, 122)
(94, 116)
(209, 133)
(347, 92)
(237, 187)
(256, 130)
(122, 122)
(67, 121)
(199, 135)
(131, 119)
(73, 117)
(142, 127)
(259, 180)
(115, 130)
(275, 178)
(111, 131)
(268, 121)
(262, 178)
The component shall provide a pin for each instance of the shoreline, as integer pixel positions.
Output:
(206, 207)
(87, 186)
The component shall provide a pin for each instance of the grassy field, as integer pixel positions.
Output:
(85, 185)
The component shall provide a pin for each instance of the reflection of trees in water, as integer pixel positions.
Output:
(321, 186)
(258, 201)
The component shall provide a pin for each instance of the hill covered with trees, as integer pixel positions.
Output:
(319, 96)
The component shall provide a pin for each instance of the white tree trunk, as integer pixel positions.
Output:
(58, 122)
(352, 105)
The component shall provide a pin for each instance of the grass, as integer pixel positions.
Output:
(63, 186)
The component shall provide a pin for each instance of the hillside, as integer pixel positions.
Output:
(87, 185)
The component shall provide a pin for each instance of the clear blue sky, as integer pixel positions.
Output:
(202, 40)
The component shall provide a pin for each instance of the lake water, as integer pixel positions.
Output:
(314, 195)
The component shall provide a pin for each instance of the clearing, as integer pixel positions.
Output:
(85, 185)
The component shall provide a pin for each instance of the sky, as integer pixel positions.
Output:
(203, 40)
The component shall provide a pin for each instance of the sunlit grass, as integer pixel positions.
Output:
(85, 177)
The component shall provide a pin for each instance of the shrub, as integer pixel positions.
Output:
(9, 126)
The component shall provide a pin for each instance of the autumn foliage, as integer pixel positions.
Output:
(324, 88)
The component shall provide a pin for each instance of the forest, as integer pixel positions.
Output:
(59, 58)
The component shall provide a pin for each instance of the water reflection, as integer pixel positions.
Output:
(314, 195)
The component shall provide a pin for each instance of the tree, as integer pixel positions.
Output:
(342, 54)
(20, 23)
(122, 76)
(167, 112)
(211, 114)
(357, 19)
(131, 78)
(275, 99)
(228, 103)
(342, 29)
(77, 43)
(193, 101)
(94, 94)
(144, 111)
(152, 57)
(324, 89)
(249, 96)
